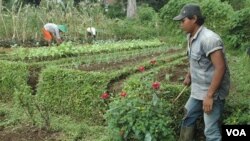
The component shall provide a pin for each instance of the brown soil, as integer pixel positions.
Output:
(28, 133)
(33, 78)
(122, 63)
(5, 50)
(116, 85)
(176, 74)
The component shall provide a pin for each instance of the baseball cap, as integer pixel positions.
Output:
(189, 10)
(63, 28)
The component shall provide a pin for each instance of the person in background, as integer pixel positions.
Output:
(91, 32)
(52, 32)
(208, 75)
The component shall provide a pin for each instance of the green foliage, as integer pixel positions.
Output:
(218, 16)
(239, 32)
(116, 10)
(8, 3)
(142, 115)
(238, 5)
(9, 115)
(67, 49)
(25, 101)
(74, 93)
(24, 24)
(138, 119)
(12, 75)
(75, 130)
(171, 28)
(238, 116)
(156, 4)
(147, 15)
(133, 117)
(130, 29)
(238, 102)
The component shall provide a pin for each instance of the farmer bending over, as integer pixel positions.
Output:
(52, 31)
(91, 32)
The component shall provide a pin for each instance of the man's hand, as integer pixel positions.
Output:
(208, 104)
(59, 41)
(187, 80)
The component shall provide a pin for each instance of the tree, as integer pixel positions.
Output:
(131, 9)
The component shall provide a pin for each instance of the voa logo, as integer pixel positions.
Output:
(236, 132)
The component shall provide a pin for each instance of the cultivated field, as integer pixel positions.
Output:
(104, 91)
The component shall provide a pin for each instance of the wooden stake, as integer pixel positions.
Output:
(180, 94)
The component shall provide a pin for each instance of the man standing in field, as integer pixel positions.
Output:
(208, 75)
(52, 31)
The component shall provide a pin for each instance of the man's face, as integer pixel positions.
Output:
(187, 24)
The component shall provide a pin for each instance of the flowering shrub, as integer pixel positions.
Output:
(156, 85)
(141, 115)
(105, 95)
(123, 94)
(141, 68)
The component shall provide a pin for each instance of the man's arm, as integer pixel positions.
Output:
(59, 41)
(219, 64)
(218, 61)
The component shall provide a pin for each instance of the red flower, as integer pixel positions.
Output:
(153, 62)
(141, 69)
(105, 95)
(123, 94)
(156, 85)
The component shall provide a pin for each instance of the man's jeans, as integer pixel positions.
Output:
(212, 120)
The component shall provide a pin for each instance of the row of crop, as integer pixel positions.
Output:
(77, 93)
(68, 49)
(61, 91)
(103, 57)
(113, 57)
(74, 87)
(100, 62)
(65, 92)
(111, 64)
(9, 68)
(146, 65)
(13, 76)
(87, 59)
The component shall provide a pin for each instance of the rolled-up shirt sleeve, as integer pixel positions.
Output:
(212, 44)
